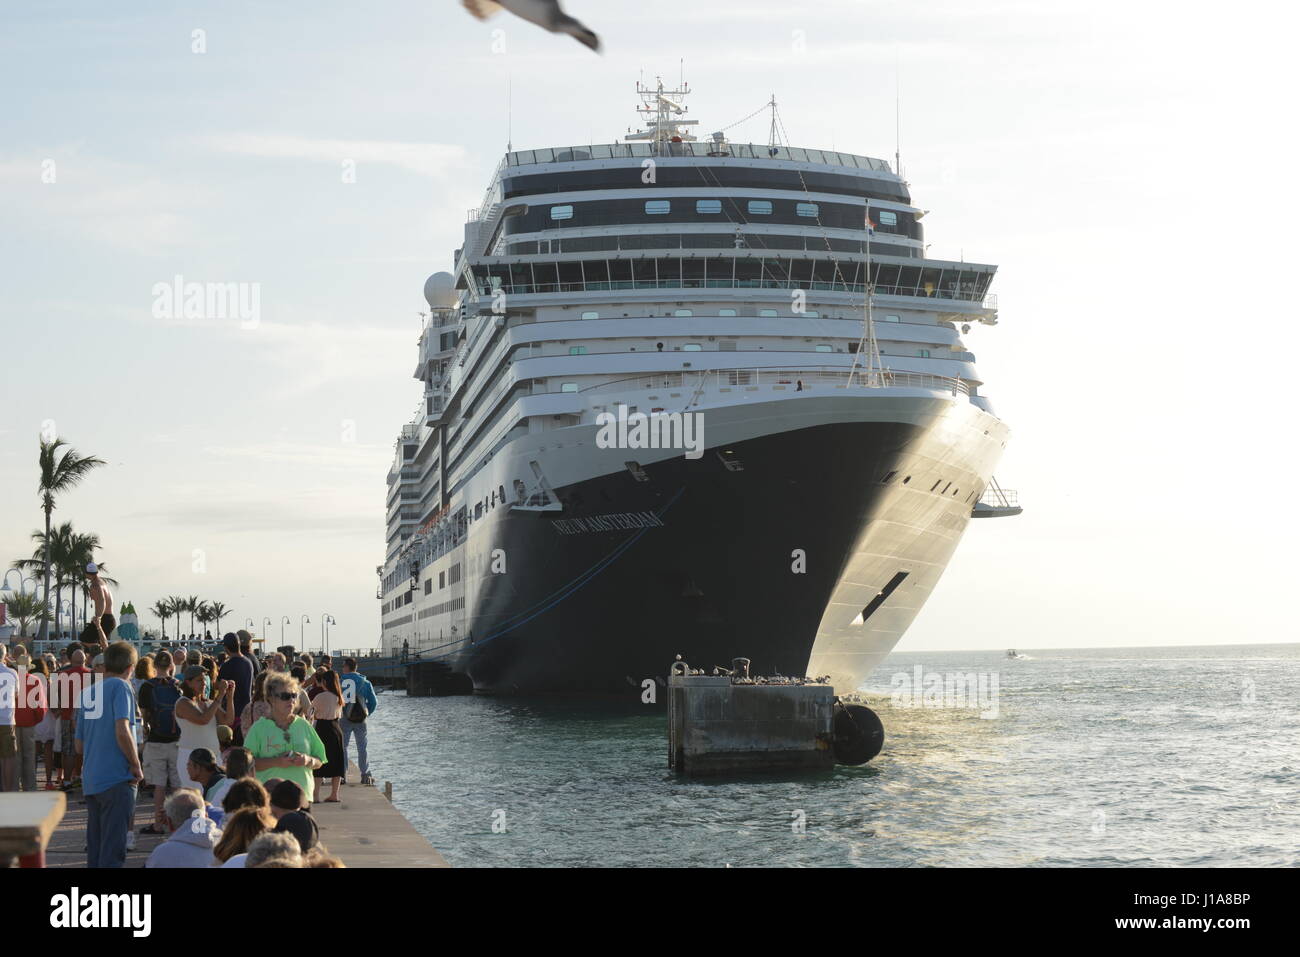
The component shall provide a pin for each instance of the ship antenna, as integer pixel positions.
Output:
(771, 136)
(898, 122)
(510, 116)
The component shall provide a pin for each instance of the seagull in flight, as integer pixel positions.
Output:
(545, 13)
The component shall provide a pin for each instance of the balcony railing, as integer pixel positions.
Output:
(602, 151)
(815, 378)
(949, 293)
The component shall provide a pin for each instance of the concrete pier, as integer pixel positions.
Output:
(364, 830)
(720, 723)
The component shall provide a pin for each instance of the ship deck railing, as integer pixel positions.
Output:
(543, 288)
(808, 377)
(997, 497)
(700, 148)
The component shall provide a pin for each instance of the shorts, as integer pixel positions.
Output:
(159, 764)
(8, 741)
(48, 727)
(108, 623)
(67, 736)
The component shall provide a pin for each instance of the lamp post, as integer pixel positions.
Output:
(302, 625)
(248, 623)
(284, 620)
(325, 619)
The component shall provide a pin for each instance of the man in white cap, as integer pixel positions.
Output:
(103, 621)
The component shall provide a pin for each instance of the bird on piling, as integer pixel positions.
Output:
(545, 13)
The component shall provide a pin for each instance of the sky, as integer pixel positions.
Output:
(1129, 166)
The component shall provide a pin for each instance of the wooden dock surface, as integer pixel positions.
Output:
(363, 830)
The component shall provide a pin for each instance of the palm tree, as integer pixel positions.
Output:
(177, 605)
(204, 614)
(23, 607)
(59, 473)
(162, 611)
(218, 612)
(191, 605)
(53, 551)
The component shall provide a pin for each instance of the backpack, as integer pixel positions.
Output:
(356, 712)
(165, 695)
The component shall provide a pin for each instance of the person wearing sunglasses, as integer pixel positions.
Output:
(284, 745)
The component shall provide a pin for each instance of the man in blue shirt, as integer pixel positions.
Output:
(359, 701)
(110, 774)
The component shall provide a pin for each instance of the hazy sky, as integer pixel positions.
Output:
(1129, 166)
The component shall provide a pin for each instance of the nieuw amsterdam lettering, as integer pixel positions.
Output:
(607, 523)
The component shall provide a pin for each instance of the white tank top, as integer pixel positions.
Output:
(197, 736)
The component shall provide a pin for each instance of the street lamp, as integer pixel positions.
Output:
(284, 620)
(301, 638)
(248, 623)
(324, 632)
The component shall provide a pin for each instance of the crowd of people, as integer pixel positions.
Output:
(235, 747)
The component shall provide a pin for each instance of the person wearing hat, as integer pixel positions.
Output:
(302, 826)
(286, 797)
(203, 769)
(198, 717)
(103, 621)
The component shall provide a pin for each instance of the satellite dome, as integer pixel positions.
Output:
(440, 291)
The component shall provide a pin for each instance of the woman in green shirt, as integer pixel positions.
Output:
(284, 745)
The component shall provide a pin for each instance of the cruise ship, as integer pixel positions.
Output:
(685, 396)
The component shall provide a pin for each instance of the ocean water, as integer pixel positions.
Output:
(1144, 757)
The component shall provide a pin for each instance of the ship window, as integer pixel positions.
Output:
(657, 207)
(561, 212)
(501, 490)
(923, 353)
(726, 312)
(569, 387)
(767, 312)
(428, 585)
(906, 480)
(591, 315)
(683, 312)
(824, 348)
(577, 350)
(705, 206)
(888, 217)
(809, 314)
(945, 489)
(691, 347)
(885, 480)
(806, 209)
(885, 592)
(760, 207)
(478, 510)
(891, 319)
(442, 579)
(935, 485)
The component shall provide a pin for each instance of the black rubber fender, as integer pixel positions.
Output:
(859, 734)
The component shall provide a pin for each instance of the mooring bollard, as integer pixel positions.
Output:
(388, 791)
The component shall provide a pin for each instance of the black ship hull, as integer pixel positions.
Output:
(732, 554)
